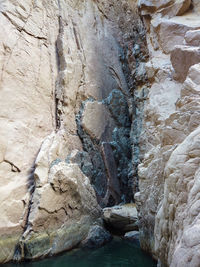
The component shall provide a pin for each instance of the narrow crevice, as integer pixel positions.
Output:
(14, 168)
(61, 65)
(19, 249)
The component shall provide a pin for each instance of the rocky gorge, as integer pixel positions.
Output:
(99, 110)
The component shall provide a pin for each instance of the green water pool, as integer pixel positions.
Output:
(118, 253)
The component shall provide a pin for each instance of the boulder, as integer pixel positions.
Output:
(64, 209)
(123, 218)
(132, 236)
(193, 38)
(165, 7)
(171, 32)
(192, 82)
(182, 58)
(97, 237)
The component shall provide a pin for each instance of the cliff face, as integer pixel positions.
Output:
(168, 201)
(69, 71)
(80, 123)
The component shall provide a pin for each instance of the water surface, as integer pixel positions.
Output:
(118, 253)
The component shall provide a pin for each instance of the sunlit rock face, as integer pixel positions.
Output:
(69, 74)
(168, 201)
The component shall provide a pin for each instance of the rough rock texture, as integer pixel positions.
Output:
(97, 237)
(124, 218)
(68, 74)
(168, 201)
(80, 122)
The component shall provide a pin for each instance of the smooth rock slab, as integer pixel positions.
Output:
(95, 119)
(123, 218)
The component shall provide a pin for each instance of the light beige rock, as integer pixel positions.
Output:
(123, 218)
(67, 202)
(182, 58)
(169, 159)
(96, 128)
(192, 38)
(171, 32)
(28, 73)
(54, 57)
(192, 83)
(170, 7)
(176, 228)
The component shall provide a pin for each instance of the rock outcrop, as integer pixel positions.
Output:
(168, 201)
(68, 74)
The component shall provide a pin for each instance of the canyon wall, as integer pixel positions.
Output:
(84, 115)
(168, 201)
(70, 71)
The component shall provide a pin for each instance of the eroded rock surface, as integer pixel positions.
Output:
(80, 122)
(168, 172)
(68, 74)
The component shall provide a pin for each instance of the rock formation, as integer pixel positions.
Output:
(68, 74)
(123, 218)
(168, 201)
(87, 123)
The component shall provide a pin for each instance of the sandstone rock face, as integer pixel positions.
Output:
(80, 122)
(66, 205)
(177, 221)
(68, 72)
(167, 200)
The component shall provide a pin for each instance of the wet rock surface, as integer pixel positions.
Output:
(97, 237)
(133, 236)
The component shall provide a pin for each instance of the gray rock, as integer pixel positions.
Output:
(132, 236)
(97, 237)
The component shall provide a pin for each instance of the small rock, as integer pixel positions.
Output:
(132, 236)
(97, 237)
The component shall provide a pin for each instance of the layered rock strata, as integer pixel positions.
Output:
(68, 74)
(168, 201)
